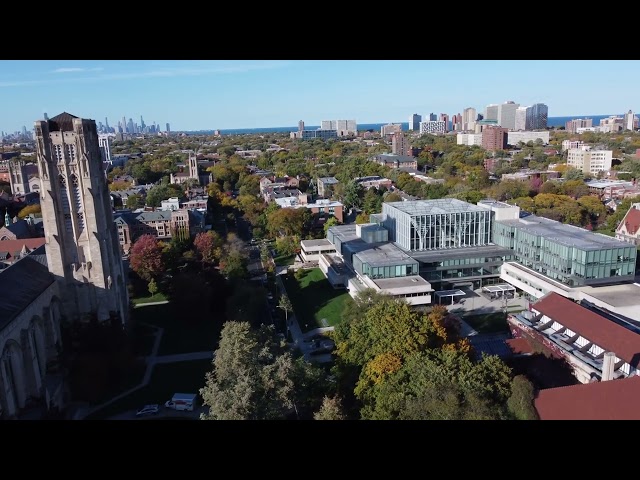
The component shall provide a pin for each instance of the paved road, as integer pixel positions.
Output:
(163, 413)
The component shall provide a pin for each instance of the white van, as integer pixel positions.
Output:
(182, 401)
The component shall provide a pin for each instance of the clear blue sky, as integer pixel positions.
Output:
(222, 94)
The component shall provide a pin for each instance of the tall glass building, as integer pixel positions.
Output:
(436, 224)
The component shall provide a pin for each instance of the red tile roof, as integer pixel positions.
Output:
(519, 346)
(611, 400)
(632, 221)
(15, 246)
(595, 328)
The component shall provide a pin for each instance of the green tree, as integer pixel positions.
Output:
(573, 174)
(331, 409)
(520, 403)
(353, 194)
(152, 287)
(392, 197)
(362, 218)
(285, 304)
(135, 201)
(253, 378)
(330, 223)
(234, 264)
(372, 201)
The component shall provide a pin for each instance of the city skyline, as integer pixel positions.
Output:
(207, 95)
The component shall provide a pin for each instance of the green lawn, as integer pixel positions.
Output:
(314, 299)
(488, 323)
(183, 332)
(284, 260)
(166, 379)
(158, 297)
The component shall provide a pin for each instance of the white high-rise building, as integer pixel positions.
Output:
(521, 118)
(507, 115)
(328, 125)
(629, 120)
(469, 116)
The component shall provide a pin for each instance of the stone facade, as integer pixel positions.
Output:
(81, 242)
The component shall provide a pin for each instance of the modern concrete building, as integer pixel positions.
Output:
(491, 112)
(590, 161)
(414, 122)
(311, 250)
(513, 138)
(390, 128)
(571, 144)
(469, 139)
(364, 259)
(572, 126)
(507, 115)
(433, 127)
(629, 121)
(521, 119)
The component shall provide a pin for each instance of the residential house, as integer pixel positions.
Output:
(629, 228)
(326, 186)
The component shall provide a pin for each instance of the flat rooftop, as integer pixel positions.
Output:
(495, 204)
(433, 207)
(344, 233)
(403, 285)
(608, 183)
(621, 295)
(316, 243)
(380, 254)
(462, 252)
(564, 234)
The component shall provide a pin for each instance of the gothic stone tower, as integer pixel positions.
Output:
(193, 166)
(81, 240)
(18, 177)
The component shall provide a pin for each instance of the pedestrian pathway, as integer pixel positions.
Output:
(152, 360)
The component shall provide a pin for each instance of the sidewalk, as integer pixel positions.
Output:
(152, 360)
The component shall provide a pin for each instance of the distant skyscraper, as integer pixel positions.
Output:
(433, 126)
(507, 114)
(491, 112)
(629, 120)
(414, 122)
(300, 125)
(445, 118)
(142, 125)
(433, 117)
(346, 127)
(328, 125)
(572, 125)
(124, 125)
(46, 117)
(469, 119)
(106, 124)
(390, 128)
(168, 128)
(537, 117)
(130, 127)
(521, 118)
